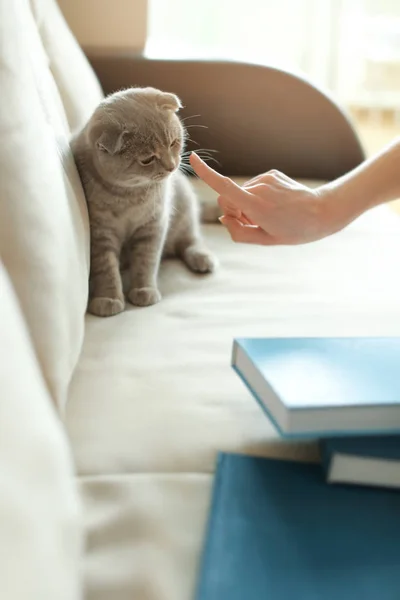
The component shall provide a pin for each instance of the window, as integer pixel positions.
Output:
(349, 47)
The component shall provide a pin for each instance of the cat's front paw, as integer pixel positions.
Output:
(200, 260)
(105, 307)
(145, 296)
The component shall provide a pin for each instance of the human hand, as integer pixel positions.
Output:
(272, 209)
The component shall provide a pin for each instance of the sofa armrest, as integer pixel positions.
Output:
(255, 117)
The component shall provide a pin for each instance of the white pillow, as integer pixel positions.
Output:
(40, 518)
(44, 229)
(77, 83)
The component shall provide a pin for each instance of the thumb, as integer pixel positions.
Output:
(247, 234)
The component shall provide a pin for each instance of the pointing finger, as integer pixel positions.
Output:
(219, 183)
(229, 207)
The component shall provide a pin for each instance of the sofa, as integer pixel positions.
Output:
(110, 428)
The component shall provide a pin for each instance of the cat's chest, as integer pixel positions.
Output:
(135, 217)
(146, 211)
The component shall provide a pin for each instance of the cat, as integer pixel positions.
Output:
(141, 206)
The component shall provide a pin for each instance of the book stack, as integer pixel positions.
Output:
(343, 391)
(287, 530)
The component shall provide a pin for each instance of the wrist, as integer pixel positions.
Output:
(374, 182)
(340, 206)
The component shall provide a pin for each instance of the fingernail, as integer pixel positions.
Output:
(221, 220)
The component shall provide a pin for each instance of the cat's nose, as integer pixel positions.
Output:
(168, 165)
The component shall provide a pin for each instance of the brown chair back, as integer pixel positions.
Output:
(256, 117)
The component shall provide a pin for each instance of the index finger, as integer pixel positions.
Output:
(219, 183)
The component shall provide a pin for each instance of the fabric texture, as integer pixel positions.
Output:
(77, 84)
(154, 390)
(44, 233)
(143, 534)
(154, 398)
(151, 394)
(40, 512)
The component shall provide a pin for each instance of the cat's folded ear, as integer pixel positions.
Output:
(163, 100)
(111, 140)
(167, 101)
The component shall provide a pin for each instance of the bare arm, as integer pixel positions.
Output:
(274, 209)
(374, 182)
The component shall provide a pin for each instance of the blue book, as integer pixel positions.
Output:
(319, 387)
(369, 460)
(277, 531)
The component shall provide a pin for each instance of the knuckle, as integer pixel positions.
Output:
(226, 183)
(273, 173)
(262, 188)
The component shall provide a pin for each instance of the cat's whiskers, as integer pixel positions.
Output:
(187, 138)
(173, 210)
(190, 117)
(186, 169)
(208, 150)
(196, 125)
(204, 153)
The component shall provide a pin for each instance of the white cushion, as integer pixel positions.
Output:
(79, 88)
(44, 233)
(40, 515)
(154, 397)
(145, 534)
(154, 390)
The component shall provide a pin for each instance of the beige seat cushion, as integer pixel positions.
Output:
(154, 397)
(40, 514)
(154, 390)
(144, 534)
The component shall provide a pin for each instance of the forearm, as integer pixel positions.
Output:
(374, 182)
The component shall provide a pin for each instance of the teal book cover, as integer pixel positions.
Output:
(323, 386)
(277, 530)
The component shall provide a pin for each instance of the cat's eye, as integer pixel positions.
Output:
(174, 143)
(147, 161)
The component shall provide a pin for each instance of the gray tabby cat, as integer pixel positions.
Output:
(141, 207)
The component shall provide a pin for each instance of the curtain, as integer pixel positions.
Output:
(351, 48)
